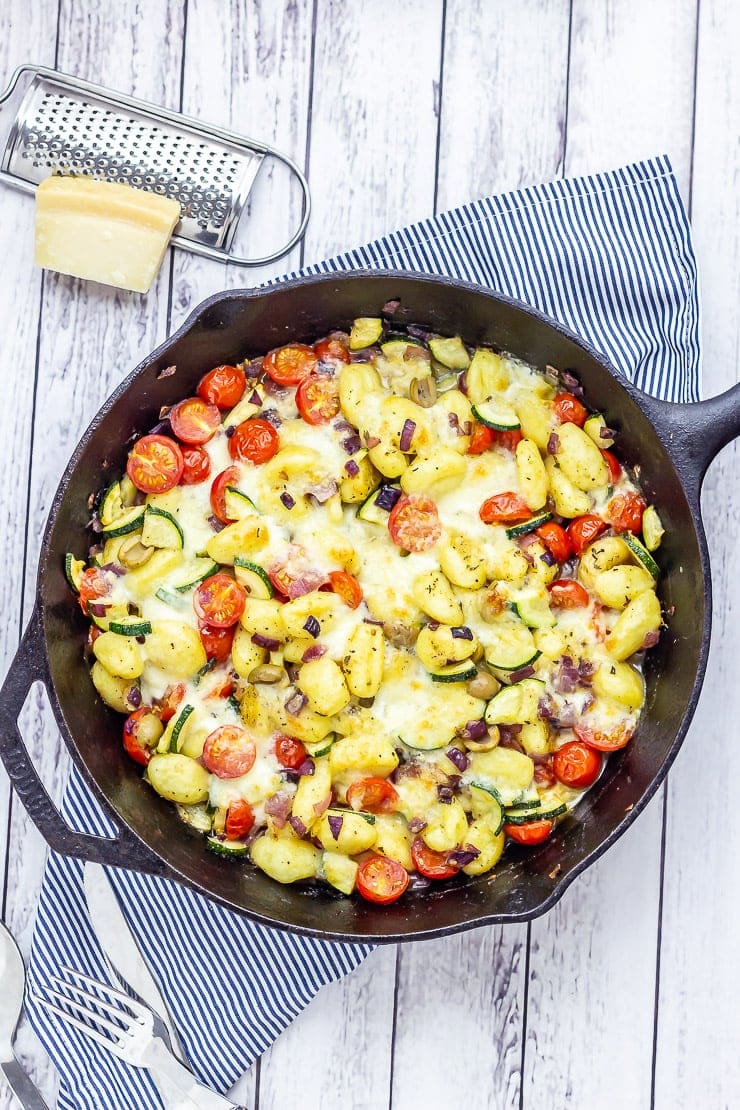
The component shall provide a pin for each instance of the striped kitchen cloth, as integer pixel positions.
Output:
(609, 255)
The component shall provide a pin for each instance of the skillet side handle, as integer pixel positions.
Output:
(696, 433)
(27, 667)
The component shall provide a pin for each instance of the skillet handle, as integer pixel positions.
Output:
(696, 433)
(27, 667)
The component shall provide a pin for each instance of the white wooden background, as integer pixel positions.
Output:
(625, 995)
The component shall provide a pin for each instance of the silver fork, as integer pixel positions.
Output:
(126, 1028)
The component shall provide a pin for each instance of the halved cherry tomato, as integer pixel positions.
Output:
(374, 795)
(615, 469)
(332, 351)
(584, 530)
(194, 420)
(543, 772)
(504, 508)
(197, 465)
(346, 586)
(290, 365)
(223, 386)
(223, 687)
(216, 641)
(566, 593)
(624, 512)
(290, 752)
(166, 706)
(414, 523)
(431, 864)
(556, 540)
(481, 439)
(228, 752)
(507, 440)
(534, 832)
(381, 880)
(255, 441)
(604, 741)
(317, 398)
(239, 819)
(94, 584)
(228, 477)
(134, 741)
(569, 410)
(294, 576)
(576, 764)
(219, 600)
(155, 464)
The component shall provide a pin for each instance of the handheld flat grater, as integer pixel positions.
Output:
(65, 125)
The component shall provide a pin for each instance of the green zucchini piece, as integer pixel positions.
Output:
(130, 626)
(516, 704)
(497, 415)
(489, 800)
(335, 811)
(175, 600)
(130, 521)
(642, 554)
(73, 571)
(161, 529)
(450, 352)
(527, 526)
(253, 578)
(193, 574)
(366, 330)
(111, 504)
(534, 610)
(509, 646)
(455, 672)
(237, 504)
(197, 816)
(652, 528)
(182, 717)
(519, 816)
(593, 427)
(231, 849)
(316, 748)
(373, 513)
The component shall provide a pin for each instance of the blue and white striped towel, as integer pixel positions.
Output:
(608, 255)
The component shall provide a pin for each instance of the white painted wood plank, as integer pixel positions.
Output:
(697, 1060)
(631, 68)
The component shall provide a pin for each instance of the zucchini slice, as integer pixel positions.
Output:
(193, 574)
(642, 554)
(253, 578)
(173, 737)
(130, 521)
(517, 815)
(197, 816)
(237, 504)
(111, 504)
(454, 672)
(487, 799)
(509, 646)
(366, 330)
(73, 571)
(396, 344)
(527, 526)
(232, 849)
(450, 352)
(497, 415)
(161, 529)
(376, 507)
(593, 427)
(652, 528)
(517, 704)
(174, 600)
(129, 626)
(534, 610)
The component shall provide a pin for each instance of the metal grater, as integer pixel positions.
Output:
(67, 126)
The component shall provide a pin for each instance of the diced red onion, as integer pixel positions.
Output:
(388, 309)
(458, 758)
(463, 856)
(306, 583)
(553, 443)
(216, 524)
(278, 807)
(418, 332)
(445, 794)
(521, 673)
(272, 416)
(407, 434)
(365, 355)
(312, 626)
(287, 500)
(565, 680)
(416, 824)
(352, 444)
(323, 490)
(474, 730)
(265, 642)
(607, 433)
(588, 701)
(253, 368)
(316, 651)
(230, 431)
(454, 420)
(95, 523)
(529, 558)
(352, 468)
(466, 428)
(295, 703)
(275, 390)
(133, 696)
(162, 427)
(335, 822)
(323, 805)
(651, 639)
(387, 497)
(371, 441)
(414, 353)
(571, 382)
(585, 671)
(545, 708)
(551, 376)
(462, 382)
(306, 768)
(567, 716)
(508, 740)
(114, 568)
(548, 559)
(255, 399)
(462, 632)
(297, 825)
(96, 608)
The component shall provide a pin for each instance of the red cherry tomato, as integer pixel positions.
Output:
(604, 741)
(347, 587)
(543, 772)
(255, 441)
(507, 440)
(534, 832)
(239, 819)
(556, 540)
(414, 523)
(290, 365)
(584, 530)
(133, 740)
(373, 795)
(481, 439)
(94, 584)
(166, 706)
(431, 864)
(228, 752)
(576, 764)
(290, 753)
(228, 477)
(219, 601)
(223, 386)
(332, 351)
(317, 398)
(615, 470)
(155, 464)
(381, 880)
(197, 466)
(504, 508)
(624, 512)
(194, 420)
(570, 410)
(566, 593)
(216, 641)
(222, 688)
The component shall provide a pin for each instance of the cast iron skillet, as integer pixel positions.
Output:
(672, 444)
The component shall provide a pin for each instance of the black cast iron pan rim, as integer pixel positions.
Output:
(132, 849)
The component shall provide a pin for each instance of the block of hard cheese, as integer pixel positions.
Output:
(102, 231)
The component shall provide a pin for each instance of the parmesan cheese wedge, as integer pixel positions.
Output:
(103, 231)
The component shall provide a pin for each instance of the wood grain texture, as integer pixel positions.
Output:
(696, 1053)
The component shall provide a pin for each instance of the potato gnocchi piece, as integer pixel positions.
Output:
(641, 617)
(570, 501)
(533, 479)
(176, 648)
(364, 660)
(579, 459)
(434, 596)
(463, 561)
(322, 681)
(285, 860)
